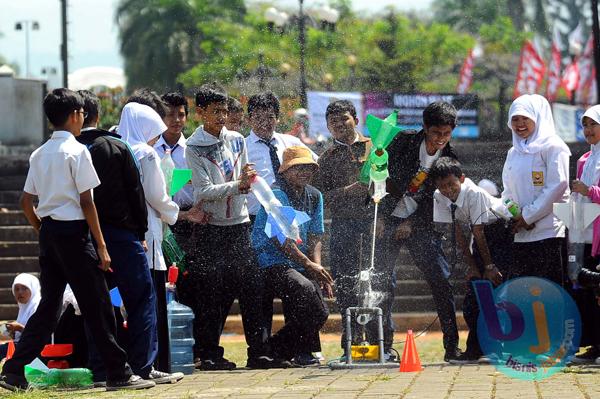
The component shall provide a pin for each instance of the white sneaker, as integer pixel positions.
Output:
(160, 377)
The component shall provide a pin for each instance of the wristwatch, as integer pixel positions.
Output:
(491, 266)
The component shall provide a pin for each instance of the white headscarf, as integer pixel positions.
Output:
(27, 309)
(139, 124)
(536, 108)
(591, 169)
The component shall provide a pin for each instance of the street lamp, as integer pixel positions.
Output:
(302, 41)
(352, 60)
(328, 80)
(26, 25)
(50, 72)
(327, 16)
(275, 18)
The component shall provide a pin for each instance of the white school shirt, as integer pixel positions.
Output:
(184, 197)
(258, 154)
(535, 182)
(59, 171)
(473, 206)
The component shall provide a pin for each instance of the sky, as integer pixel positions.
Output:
(93, 36)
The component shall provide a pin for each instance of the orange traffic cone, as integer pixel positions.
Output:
(10, 350)
(410, 357)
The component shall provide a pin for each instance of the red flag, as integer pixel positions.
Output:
(586, 66)
(531, 71)
(570, 79)
(554, 80)
(466, 75)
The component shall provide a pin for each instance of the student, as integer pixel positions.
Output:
(141, 126)
(26, 290)
(587, 185)
(408, 212)
(535, 176)
(174, 141)
(123, 217)
(265, 145)
(345, 197)
(458, 201)
(223, 268)
(235, 115)
(293, 272)
(62, 176)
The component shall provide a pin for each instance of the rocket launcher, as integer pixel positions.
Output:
(375, 169)
(282, 221)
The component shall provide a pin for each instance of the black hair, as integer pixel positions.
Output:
(340, 107)
(439, 113)
(59, 104)
(444, 167)
(150, 98)
(175, 99)
(91, 105)
(210, 93)
(234, 106)
(263, 101)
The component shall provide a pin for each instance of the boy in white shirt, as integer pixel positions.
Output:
(459, 201)
(62, 176)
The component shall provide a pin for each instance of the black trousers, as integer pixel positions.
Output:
(544, 258)
(304, 309)
(222, 267)
(586, 301)
(68, 256)
(425, 248)
(499, 240)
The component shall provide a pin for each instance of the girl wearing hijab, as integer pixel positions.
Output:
(141, 126)
(535, 176)
(587, 185)
(27, 292)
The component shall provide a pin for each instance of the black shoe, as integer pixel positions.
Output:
(452, 354)
(465, 358)
(216, 365)
(587, 357)
(133, 382)
(13, 382)
(305, 360)
(266, 362)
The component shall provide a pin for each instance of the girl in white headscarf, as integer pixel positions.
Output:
(587, 185)
(27, 292)
(535, 176)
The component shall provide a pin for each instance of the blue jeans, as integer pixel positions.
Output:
(425, 249)
(132, 276)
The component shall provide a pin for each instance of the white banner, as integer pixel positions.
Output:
(566, 122)
(317, 105)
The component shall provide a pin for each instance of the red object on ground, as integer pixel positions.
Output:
(58, 364)
(410, 357)
(57, 350)
(10, 350)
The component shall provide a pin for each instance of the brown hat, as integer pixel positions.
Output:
(296, 155)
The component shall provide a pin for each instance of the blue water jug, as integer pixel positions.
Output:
(181, 338)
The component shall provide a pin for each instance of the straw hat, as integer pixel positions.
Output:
(296, 155)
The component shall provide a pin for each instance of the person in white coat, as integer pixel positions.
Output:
(140, 126)
(535, 176)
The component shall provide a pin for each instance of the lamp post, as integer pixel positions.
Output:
(26, 25)
(302, 41)
(596, 33)
(64, 52)
(328, 81)
(50, 73)
(352, 60)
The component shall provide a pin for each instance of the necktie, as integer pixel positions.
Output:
(453, 236)
(274, 158)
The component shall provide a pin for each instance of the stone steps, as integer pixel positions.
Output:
(12, 182)
(19, 264)
(17, 233)
(12, 218)
(21, 248)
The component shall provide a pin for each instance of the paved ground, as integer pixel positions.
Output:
(436, 381)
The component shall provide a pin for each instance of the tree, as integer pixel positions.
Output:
(162, 38)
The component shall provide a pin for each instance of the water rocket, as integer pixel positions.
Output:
(375, 170)
(282, 221)
(180, 178)
(577, 216)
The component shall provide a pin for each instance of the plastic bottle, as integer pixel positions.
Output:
(378, 174)
(180, 320)
(273, 207)
(71, 378)
(512, 207)
(167, 166)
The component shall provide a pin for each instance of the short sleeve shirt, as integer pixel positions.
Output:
(59, 171)
(311, 203)
(473, 206)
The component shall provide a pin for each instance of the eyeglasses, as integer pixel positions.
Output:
(85, 114)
